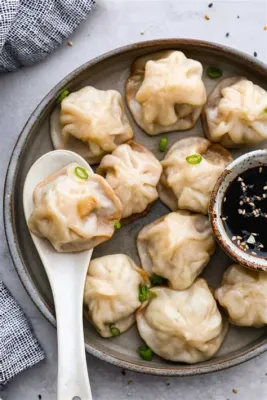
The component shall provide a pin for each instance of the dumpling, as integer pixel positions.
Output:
(187, 183)
(243, 293)
(236, 113)
(165, 92)
(184, 326)
(111, 294)
(90, 122)
(133, 173)
(74, 210)
(177, 247)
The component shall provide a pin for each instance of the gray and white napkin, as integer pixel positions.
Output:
(19, 348)
(32, 29)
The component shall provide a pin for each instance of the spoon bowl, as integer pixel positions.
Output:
(66, 273)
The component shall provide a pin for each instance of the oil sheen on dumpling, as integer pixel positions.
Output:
(189, 186)
(243, 293)
(74, 214)
(165, 92)
(236, 113)
(90, 122)
(133, 173)
(111, 292)
(184, 326)
(177, 247)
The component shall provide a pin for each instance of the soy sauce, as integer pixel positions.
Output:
(244, 211)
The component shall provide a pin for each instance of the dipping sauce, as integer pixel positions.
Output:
(244, 211)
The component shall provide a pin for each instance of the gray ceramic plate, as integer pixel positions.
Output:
(110, 72)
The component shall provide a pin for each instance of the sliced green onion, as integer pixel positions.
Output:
(145, 293)
(194, 159)
(62, 96)
(115, 332)
(81, 173)
(158, 280)
(163, 144)
(145, 352)
(265, 110)
(214, 72)
(117, 225)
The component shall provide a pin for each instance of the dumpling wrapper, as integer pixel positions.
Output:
(243, 294)
(236, 113)
(133, 173)
(90, 122)
(177, 247)
(165, 92)
(111, 292)
(186, 186)
(182, 326)
(74, 214)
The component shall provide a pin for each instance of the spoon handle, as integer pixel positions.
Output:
(68, 286)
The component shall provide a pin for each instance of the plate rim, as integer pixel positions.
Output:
(8, 217)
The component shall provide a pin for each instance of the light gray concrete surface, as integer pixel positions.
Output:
(112, 24)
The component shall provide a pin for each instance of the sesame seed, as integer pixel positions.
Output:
(240, 211)
(238, 242)
(234, 238)
(265, 27)
(265, 188)
(241, 203)
(258, 198)
(261, 246)
(227, 34)
(253, 252)
(224, 218)
(224, 200)
(252, 204)
(260, 169)
(240, 179)
(254, 234)
(243, 243)
(264, 195)
(243, 189)
(251, 240)
(247, 199)
(142, 32)
(239, 237)
(70, 43)
(207, 17)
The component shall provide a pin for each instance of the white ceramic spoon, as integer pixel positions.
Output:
(66, 273)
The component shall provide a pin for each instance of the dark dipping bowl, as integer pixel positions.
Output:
(247, 161)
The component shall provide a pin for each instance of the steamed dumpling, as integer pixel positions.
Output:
(165, 92)
(133, 173)
(243, 293)
(184, 326)
(90, 122)
(236, 113)
(74, 214)
(177, 247)
(189, 186)
(111, 292)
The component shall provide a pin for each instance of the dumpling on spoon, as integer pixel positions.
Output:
(74, 210)
(184, 326)
(177, 247)
(133, 173)
(165, 92)
(191, 168)
(90, 122)
(243, 294)
(236, 113)
(111, 294)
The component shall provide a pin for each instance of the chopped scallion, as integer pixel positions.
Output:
(163, 144)
(62, 96)
(194, 159)
(117, 225)
(145, 352)
(265, 110)
(115, 332)
(81, 173)
(214, 72)
(145, 293)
